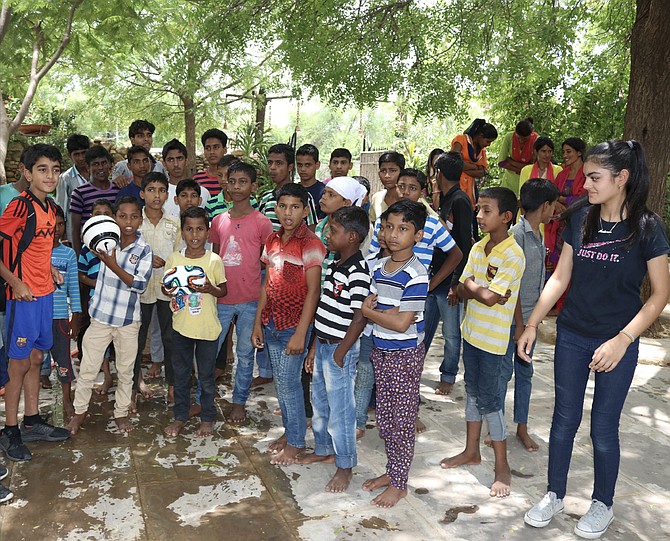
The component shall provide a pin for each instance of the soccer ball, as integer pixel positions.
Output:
(101, 234)
(180, 279)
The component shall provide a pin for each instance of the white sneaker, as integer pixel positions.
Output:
(595, 522)
(541, 513)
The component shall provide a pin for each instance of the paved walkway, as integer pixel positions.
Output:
(145, 486)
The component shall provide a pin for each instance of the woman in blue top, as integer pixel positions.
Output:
(612, 241)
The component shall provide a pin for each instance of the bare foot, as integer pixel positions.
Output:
(205, 429)
(340, 481)
(154, 371)
(378, 482)
(309, 422)
(123, 424)
(170, 396)
(286, 456)
(502, 483)
(133, 402)
(107, 384)
(443, 388)
(420, 427)
(174, 428)
(68, 410)
(218, 373)
(389, 497)
(278, 445)
(360, 434)
(461, 459)
(45, 382)
(487, 441)
(194, 411)
(258, 381)
(75, 423)
(238, 414)
(311, 458)
(276, 411)
(528, 442)
(146, 392)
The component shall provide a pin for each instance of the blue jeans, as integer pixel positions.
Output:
(262, 356)
(437, 307)
(246, 313)
(182, 363)
(334, 420)
(365, 381)
(571, 374)
(287, 370)
(523, 380)
(482, 379)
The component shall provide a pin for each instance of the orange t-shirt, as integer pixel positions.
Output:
(467, 182)
(34, 268)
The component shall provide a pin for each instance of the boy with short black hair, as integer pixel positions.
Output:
(340, 163)
(286, 307)
(215, 146)
(75, 176)
(281, 163)
(538, 201)
(222, 202)
(442, 303)
(395, 307)
(490, 282)
(140, 133)
(139, 163)
(390, 165)
(307, 164)
(195, 323)
(115, 315)
(238, 236)
(99, 162)
(338, 324)
(161, 232)
(30, 286)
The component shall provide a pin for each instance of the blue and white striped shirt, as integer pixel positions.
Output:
(114, 303)
(65, 260)
(407, 288)
(435, 235)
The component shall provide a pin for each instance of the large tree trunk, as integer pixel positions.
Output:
(189, 128)
(648, 111)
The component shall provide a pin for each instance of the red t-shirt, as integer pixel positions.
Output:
(208, 181)
(34, 269)
(286, 268)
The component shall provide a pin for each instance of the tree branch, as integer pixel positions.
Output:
(5, 16)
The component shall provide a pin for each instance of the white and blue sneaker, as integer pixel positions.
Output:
(595, 522)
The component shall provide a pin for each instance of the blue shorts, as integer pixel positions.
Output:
(29, 326)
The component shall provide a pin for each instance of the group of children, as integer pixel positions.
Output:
(325, 297)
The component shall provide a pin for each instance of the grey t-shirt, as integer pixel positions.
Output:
(532, 280)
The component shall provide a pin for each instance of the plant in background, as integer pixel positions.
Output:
(414, 157)
(253, 147)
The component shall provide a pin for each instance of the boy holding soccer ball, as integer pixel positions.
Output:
(194, 320)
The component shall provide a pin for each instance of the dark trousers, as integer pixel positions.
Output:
(165, 324)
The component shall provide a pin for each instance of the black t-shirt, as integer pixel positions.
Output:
(606, 277)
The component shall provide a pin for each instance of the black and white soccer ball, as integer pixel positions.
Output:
(101, 234)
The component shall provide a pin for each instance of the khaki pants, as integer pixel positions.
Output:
(98, 336)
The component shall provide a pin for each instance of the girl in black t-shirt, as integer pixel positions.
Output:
(612, 240)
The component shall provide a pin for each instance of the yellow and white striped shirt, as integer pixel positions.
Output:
(488, 327)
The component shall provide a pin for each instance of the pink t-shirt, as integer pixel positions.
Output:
(241, 242)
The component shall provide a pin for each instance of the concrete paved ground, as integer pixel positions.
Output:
(144, 486)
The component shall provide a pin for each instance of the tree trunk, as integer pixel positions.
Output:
(260, 104)
(189, 128)
(648, 112)
(4, 142)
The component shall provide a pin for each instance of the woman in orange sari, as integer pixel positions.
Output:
(570, 183)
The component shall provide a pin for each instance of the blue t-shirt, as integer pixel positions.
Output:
(89, 264)
(132, 189)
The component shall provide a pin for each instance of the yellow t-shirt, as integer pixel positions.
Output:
(488, 327)
(195, 315)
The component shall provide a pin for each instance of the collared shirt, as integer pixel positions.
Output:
(287, 265)
(210, 182)
(346, 287)
(171, 208)
(378, 206)
(534, 251)
(268, 204)
(435, 235)
(488, 327)
(67, 183)
(163, 238)
(114, 303)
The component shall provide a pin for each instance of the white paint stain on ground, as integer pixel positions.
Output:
(72, 493)
(190, 508)
(121, 517)
(204, 453)
(120, 458)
